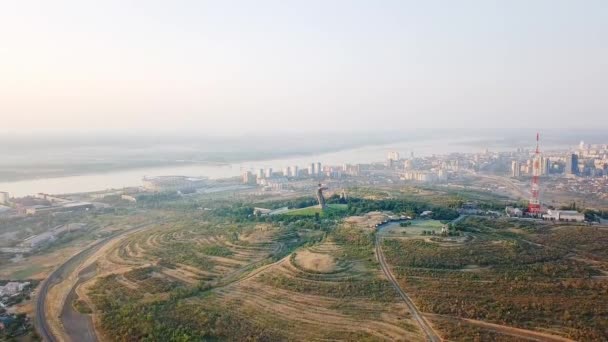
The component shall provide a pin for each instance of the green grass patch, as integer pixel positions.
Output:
(27, 272)
(311, 211)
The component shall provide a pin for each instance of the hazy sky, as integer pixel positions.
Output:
(238, 66)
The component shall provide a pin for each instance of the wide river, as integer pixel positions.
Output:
(133, 177)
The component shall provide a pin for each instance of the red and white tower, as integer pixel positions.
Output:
(534, 206)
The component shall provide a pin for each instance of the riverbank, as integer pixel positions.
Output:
(117, 179)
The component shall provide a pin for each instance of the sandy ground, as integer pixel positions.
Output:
(316, 262)
(367, 221)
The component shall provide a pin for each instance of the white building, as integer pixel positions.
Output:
(564, 215)
(422, 176)
(408, 164)
(515, 169)
(4, 197)
(393, 156)
(269, 172)
(277, 184)
(514, 212)
(294, 171)
(12, 288)
(129, 198)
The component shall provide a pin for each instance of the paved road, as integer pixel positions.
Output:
(40, 322)
(431, 335)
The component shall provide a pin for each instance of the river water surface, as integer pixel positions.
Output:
(133, 177)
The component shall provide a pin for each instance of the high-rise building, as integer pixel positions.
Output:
(4, 197)
(269, 172)
(318, 169)
(287, 171)
(260, 174)
(408, 164)
(248, 178)
(515, 169)
(545, 166)
(391, 158)
(572, 164)
(294, 171)
(311, 169)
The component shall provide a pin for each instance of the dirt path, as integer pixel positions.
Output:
(507, 330)
(425, 326)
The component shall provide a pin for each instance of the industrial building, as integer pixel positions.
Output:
(60, 207)
(50, 236)
(564, 215)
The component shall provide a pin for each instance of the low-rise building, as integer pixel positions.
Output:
(514, 212)
(564, 215)
(129, 198)
(13, 288)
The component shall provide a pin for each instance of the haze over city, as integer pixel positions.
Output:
(241, 67)
(303, 171)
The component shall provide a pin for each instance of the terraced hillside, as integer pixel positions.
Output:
(192, 255)
(244, 281)
(319, 293)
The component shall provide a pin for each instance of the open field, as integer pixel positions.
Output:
(415, 228)
(540, 278)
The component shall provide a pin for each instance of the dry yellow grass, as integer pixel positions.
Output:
(322, 263)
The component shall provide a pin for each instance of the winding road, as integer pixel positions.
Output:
(430, 333)
(40, 322)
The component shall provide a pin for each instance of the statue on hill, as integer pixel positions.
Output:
(320, 197)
